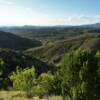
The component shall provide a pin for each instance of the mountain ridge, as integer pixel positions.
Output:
(8, 40)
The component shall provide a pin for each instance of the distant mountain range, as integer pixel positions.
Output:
(24, 37)
(45, 32)
(96, 25)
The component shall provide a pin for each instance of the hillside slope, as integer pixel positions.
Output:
(8, 40)
(13, 59)
(54, 52)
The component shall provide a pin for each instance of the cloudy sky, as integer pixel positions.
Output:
(49, 12)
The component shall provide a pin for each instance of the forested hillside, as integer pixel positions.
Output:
(10, 60)
(8, 40)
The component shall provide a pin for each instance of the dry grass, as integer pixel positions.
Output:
(19, 95)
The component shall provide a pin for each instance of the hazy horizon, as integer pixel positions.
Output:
(49, 12)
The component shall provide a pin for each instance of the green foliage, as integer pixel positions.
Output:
(80, 78)
(56, 87)
(44, 84)
(45, 81)
(10, 59)
(24, 79)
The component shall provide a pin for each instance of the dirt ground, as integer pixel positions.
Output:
(19, 95)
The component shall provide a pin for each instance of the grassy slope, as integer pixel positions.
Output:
(53, 53)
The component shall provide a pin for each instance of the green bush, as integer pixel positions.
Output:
(24, 79)
(78, 78)
(45, 81)
(80, 75)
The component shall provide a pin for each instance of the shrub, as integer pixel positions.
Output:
(44, 84)
(24, 79)
(79, 75)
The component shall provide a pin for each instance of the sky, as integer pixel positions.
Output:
(49, 12)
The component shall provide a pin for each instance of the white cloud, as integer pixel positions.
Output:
(7, 2)
(78, 20)
(10, 3)
(33, 17)
(73, 20)
(28, 9)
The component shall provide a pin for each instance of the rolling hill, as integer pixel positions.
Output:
(48, 32)
(15, 59)
(54, 52)
(57, 40)
(8, 40)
